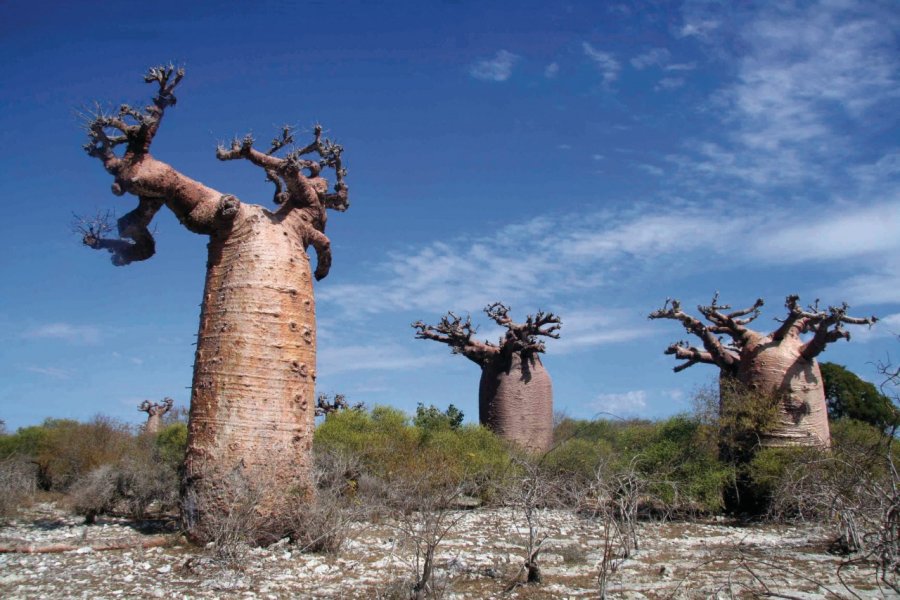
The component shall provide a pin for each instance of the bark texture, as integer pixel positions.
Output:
(252, 399)
(515, 395)
(155, 412)
(515, 400)
(781, 363)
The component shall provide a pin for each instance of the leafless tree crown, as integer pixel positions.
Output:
(725, 334)
(121, 140)
(156, 408)
(458, 333)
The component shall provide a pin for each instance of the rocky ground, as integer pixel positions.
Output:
(478, 559)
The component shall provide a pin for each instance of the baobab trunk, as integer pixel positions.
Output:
(795, 383)
(515, 401)
(252, 404)
(155, 412)
(515, 395)
(252, 399)
(780, 365)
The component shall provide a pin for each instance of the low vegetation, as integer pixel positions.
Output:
(415, 473)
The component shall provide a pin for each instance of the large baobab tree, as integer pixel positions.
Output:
(252, 400)
(781, 364)
(155, 412)
(515, 396)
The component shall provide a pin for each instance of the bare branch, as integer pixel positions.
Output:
(718, 353)
(132, 226)
(684, 351)
(828, 326)
(458, 334)
(523, 337)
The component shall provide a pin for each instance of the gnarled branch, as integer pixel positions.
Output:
(154, 182)
(691, 355)
(717, 352)
(524, 337)
(827, 326)
(458, 334)
(298, 184)
(155, 408)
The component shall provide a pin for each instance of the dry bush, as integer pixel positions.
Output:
(237, 526)
(72, 449)
(856, 488)
(322, 525)
(18, 482)
(616, 493)
(138, 479)
(530, 488)
(95, 493)
(423, 507)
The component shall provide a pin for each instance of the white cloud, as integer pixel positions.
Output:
(669, 83)
(655, 57)
(802, 78)
(689, 66)
(848, 233)
(52, 372)
(551, 70)
(498, 68)
(77, 334)
(544, 261)
(624, 404)
(599, 326)
(607, 64)
(651, 169)
(374, 357)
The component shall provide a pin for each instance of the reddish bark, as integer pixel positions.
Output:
(155, 412)
(252, 399)
(781, 363)
(515, 395)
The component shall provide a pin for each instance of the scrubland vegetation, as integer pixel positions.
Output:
(421, 472)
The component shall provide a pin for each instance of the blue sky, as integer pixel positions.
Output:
(589, 159)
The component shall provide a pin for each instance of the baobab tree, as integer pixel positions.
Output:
(515, 396)
(155, 412)
(781, 364)
(252, 399)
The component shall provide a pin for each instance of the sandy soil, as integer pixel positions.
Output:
(479, 559)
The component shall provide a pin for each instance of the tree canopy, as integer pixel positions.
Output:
(849, 397)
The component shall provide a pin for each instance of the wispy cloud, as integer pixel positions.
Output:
(541, 261)
(498, 68)
(606, 63)
(374, 357)
(669, 83)
(598, 327)
(655, 57)
(624, 404)
(852, 232)
(803, 77)
(52, 372)
(551, 70)
(76, 334)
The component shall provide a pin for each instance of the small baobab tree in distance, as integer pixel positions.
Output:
(781, 364)
(155, 412)
(515, 396)
(252, 399)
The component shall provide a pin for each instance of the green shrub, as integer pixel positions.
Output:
(432, 419)
(388, 447)
(171, 444)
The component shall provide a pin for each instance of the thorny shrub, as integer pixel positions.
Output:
(18, 482)
(855, 487)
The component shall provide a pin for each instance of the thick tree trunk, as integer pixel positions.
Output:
(515, 401)
(780, 369)
(153, 424)
(252, 405)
